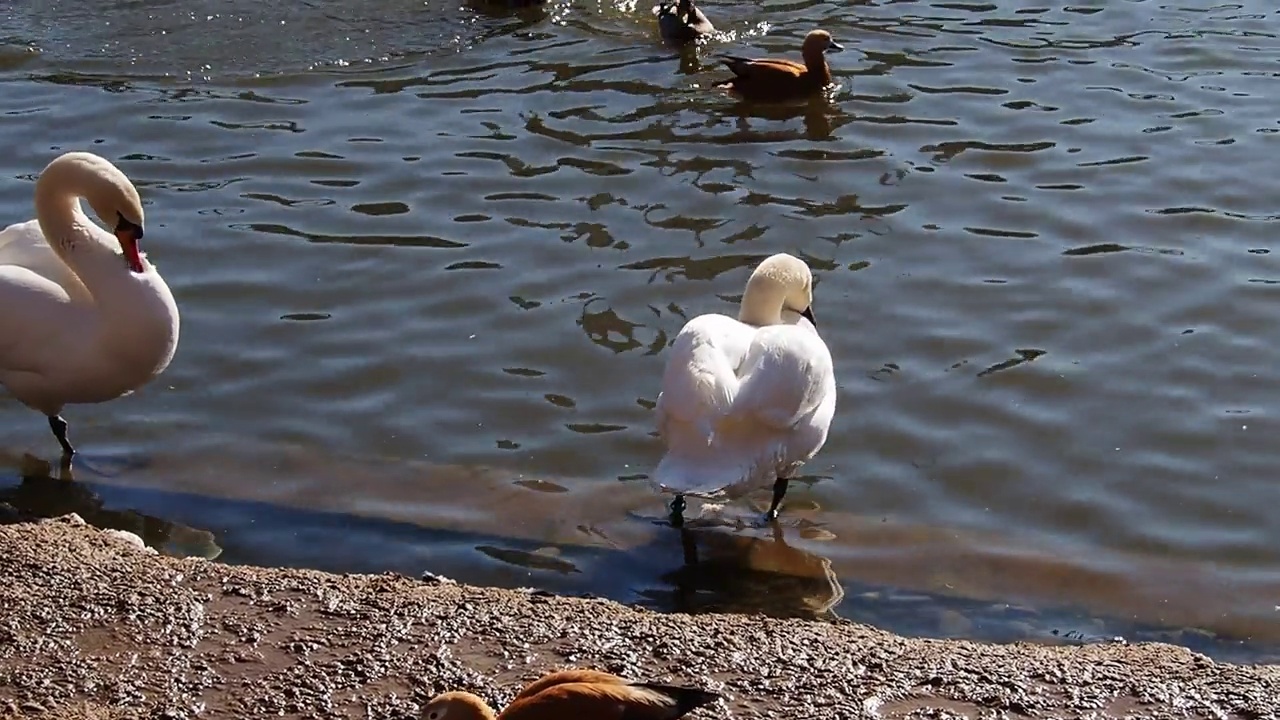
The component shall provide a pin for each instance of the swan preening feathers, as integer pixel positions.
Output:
(84, 317)
(745, 402)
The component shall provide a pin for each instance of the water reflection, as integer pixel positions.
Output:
(605, 328)
(821, 118)
(528, 11)
(562, 535)
(731, 572)
(421, 241)
(669, 268)
(42, 492)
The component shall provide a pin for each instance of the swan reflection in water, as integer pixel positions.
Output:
(746, 401)
(730, 564)
(43, 493)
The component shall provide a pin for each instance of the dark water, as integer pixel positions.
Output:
(428, 258)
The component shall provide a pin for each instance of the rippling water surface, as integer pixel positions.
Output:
(429, 257)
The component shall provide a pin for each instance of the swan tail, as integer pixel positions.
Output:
(712, 465)
(728, 428)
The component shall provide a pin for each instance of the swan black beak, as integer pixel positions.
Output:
(808, 315)
(129, 233)
(834, 46)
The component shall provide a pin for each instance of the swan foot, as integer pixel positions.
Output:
(677, 511)
(779, 491)
(59, 428)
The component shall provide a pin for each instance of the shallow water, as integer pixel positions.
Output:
(412, 235)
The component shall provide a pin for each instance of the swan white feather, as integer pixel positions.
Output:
(746, 401)
(84, 317)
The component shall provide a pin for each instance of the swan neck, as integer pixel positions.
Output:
(78, 241)
(57, 211)
(760, 309)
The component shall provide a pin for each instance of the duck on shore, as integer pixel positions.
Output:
(578, 694)
(779, 79)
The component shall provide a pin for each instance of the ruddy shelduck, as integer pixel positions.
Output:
(776, 79)
(576, 695)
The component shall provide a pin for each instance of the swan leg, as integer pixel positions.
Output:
(59, 428)
(677, 511)
(779, 491)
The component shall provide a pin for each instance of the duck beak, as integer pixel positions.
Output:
(808, 315)
(129, 234)
(834, 46)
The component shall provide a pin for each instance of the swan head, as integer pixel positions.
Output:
(781, 283)
(116, 203)
(107, 190)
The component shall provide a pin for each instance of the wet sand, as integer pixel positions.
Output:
(95, 627)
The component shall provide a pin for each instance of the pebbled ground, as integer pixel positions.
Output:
(93, 627)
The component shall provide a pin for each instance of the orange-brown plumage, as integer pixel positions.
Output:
(776, 79)
(561, 677)
(576, 694)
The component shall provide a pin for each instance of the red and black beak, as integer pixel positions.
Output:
(808, 315)
(129, 234)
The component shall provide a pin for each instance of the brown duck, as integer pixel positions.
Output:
(681, 21)
(779, 79)
(576, 695)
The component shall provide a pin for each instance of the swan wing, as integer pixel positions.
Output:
(41, 318)
(23, 246)
(699, 384)
(788, 373)
(700, 379)
(742, 406)
(785, 403)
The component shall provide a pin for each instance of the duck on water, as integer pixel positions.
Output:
(779, 79)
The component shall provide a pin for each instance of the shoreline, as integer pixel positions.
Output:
(95, 627)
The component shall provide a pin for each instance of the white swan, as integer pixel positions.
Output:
(84, 317)
(746, 402)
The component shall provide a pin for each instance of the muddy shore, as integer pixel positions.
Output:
(92, 626)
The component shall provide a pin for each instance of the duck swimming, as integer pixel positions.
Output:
(682, 21)
(777, 79)
(576, 694)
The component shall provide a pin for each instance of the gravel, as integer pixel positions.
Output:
(91, 626)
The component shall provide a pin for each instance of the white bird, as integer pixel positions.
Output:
(84, 316)
(746, 402)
